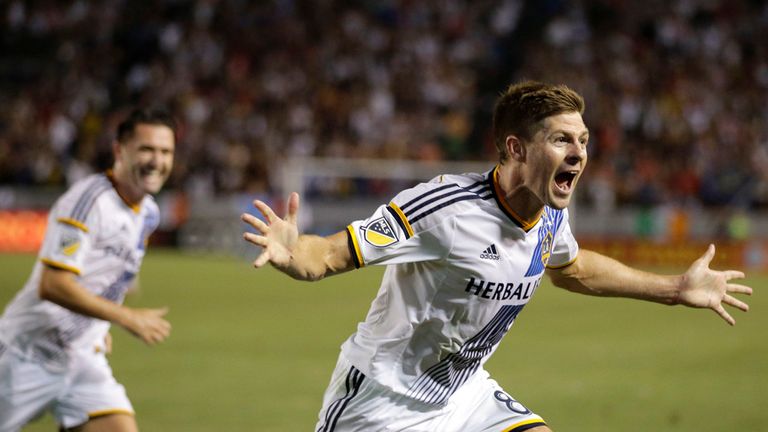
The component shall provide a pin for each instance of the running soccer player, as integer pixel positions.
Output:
(464, 255)
(54, 333)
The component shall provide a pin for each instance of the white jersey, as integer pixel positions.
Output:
(95, 234)
(461, 267)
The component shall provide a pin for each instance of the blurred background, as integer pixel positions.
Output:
(348, 102)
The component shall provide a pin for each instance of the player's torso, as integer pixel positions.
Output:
(117, 237)
(474, 294)
(93, 233)
(117, 249)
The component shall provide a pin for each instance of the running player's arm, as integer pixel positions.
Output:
(303, 257)
(60, 286)
(701, 287)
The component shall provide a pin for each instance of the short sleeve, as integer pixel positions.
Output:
(386, 237)
(565, 247)
(67, 239)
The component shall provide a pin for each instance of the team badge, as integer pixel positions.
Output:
(69, 244)
(546, 247)
(379, 233)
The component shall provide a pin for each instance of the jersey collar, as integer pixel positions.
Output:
(498, 195)
(136, 207)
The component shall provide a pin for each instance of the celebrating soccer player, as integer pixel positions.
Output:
(464, 255)
(54, 333)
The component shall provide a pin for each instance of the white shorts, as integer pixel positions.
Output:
(86, 390)
(354, 402)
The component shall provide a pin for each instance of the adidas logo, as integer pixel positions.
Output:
(490, 253)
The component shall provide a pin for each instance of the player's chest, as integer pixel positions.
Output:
(120, 238)
(504, 253)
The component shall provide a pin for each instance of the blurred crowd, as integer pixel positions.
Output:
(676, 90)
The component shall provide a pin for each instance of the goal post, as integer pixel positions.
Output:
(296, 171)
(329, 215)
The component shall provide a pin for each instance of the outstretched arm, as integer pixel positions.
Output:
(61, 287)
(303, 257)
(699, 286)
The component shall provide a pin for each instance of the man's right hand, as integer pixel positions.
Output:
(147, 324)
(277, 236)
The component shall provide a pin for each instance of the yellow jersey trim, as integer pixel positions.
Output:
(74, 223)
(524, 423)
(355, 247)
(557, 267)
(402, 218)
(102, 413)
(524, 224)
(60, 266)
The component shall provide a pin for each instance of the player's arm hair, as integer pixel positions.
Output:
(315, 257)
(61, 287)
(595, 274)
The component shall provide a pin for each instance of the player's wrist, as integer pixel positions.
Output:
(678, 286)
(124, 317)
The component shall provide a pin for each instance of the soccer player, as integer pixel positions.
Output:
(54, 333)
(464, 254)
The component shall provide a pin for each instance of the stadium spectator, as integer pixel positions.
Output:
(54, 334)
(464, 254)
(391, 80)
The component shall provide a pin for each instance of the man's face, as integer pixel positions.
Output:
(147, 158)
(556, 157)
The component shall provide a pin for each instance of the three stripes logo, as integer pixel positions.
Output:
(490, 253)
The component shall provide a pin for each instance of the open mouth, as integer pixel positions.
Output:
(564, 180)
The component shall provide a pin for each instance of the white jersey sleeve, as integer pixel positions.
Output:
(400, 232)
(565, 247)
(71, 225)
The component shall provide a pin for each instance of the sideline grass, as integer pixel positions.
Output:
(253, 351)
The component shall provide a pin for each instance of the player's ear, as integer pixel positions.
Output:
(515, 148)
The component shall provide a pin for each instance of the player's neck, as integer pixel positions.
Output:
(517, 195)
(121, 181)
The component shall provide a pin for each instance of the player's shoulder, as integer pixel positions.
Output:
(444, 196)
(79, 200)
(555, 218)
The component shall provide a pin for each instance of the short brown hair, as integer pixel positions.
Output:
(523, 106)
(152, 116)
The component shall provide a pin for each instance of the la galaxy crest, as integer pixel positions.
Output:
(546, 247)
(379, 233)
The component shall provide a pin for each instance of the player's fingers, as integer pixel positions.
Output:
(256, 239)
(293, 208)
(724, 314)
(737, 288)
(733, 301)
(733, 274)
(708, 255)
(261, 260)
(255, 222)
(269, 215)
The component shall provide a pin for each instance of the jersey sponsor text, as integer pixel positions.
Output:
(502, 290)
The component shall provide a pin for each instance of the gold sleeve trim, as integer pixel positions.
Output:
(358, 257)
(102, 413)
(73, 222)
(60, 266)
(557, 267)
(402, 217)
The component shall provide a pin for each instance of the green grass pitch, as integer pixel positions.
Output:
(253, 351)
